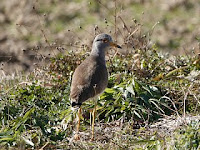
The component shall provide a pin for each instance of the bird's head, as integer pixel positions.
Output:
(102, 42)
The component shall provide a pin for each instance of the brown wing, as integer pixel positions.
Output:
(89, 79)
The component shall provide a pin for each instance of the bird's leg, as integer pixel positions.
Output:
(77, 137)
(93, 112)
(93, 120)
(79, 120)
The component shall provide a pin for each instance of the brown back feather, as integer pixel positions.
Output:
(89, 79)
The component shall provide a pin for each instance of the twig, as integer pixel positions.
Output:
(124, 24)
(42, 27)
(176, 70)
(115, 16)
(42, 148)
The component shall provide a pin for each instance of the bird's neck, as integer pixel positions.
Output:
(98, 53)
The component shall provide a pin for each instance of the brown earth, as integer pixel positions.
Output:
(32, 31)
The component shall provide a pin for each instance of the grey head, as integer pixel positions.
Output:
(101, 43)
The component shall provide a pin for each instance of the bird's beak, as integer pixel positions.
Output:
(114, 45)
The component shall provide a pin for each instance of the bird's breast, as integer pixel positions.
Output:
(89, 80)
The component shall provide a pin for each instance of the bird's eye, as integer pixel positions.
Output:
(105, 40)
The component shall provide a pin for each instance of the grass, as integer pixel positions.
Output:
(35, 109)
(148, 94)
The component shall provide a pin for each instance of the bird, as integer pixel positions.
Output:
(90, 78)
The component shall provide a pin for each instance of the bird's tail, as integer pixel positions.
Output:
(75, 105)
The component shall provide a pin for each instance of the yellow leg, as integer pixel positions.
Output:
(93, 119)
(77, 137)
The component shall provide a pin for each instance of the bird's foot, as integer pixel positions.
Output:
(76, 137)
